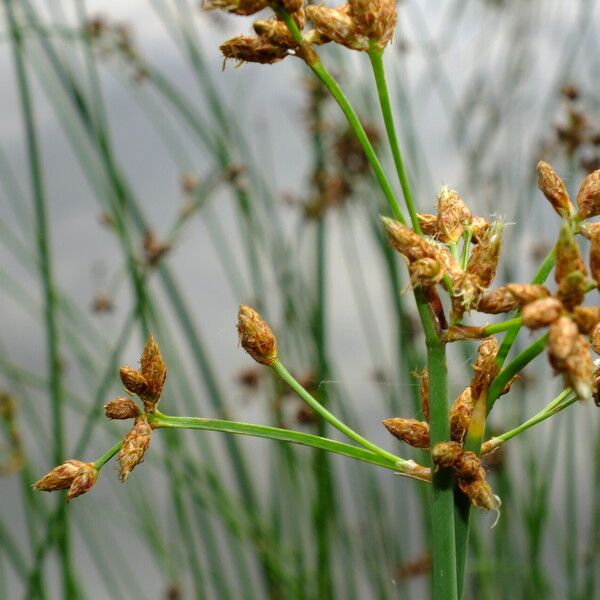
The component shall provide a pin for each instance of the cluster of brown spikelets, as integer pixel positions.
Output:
(146, 383)
(572, 328)
(359, 25)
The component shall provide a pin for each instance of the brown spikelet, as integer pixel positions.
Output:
(579, 369)
(452, 216)
(541, 313)
(595, 338)
(595, 257)
(562, 335)
(445, 454)
(480, 493)
(466, 293)
(485, 367)
(244, 48)
(460, 415)
(154, 370)
(59, 478)
(425, 272)
(480, 228)
(428, 224)
(374, 19)
(498, 301)
(586, 318)
(572, 288)
(485, 255)
(525, 293)
(588, 197)
(274, 32)
(290, 6)
(121, 408)
(256, 336)
(83, 482)
(568, 255)
(588, 230)
(135, 444)
(553, 187)
(238, 7)
(336, 25)
(133, 380)
(468, 466)
(412, 432)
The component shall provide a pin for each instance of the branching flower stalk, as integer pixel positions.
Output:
(450, 253)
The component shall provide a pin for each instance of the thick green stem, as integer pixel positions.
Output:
(376, 57)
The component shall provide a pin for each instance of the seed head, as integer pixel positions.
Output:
(121, 408)
(336, 25)
(586, 318)
(541, 313)
(60, 478)
(374, 19)
(428, 224)
(133, 380)
(588, 230)
(274, 32)
(498, 301)
(468, 466)
(238, 7)
(243, 48)
(579, 369)
(525, 293)
(485, 255)
(154, 372)
(485, 367)
(445, 454)
(452, 216)
(562, 335)
(412, 432)
(588, 197)
(256, 336)
(425, 272)
(568, 255)
(467, 291)
(135, 444)
(460, 415)
(83, 482)
(479, 228)
(480, 493)
(553, 187)
(572, 288)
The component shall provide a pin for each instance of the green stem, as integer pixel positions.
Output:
(45, 267)
(107, 455)
(376, 57)
(507, 325)
(274, 433)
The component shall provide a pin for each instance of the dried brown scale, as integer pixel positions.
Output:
(154, 371)
(428, 224)
(572, 288)
(595, 257)
(485, 255)
(256, 336)
(274, 32)
(480, 228)
(466, 293)
(509, 384)
(468, 466)
(498, 301)
(490, 446)
(59, 478)
(553, 187)
(460, 415)
(595, 338)
(133, 380)
(121, 408)
(485, 367)
(238, 7)
(243, 48)
(588, 197)
(541, 313)
(562, 336)
(445, 454)
(374, 19)
(456, 333)
(586, 317)
(480, 493)
(423, 378)
(135, 444)
(410, 431)
(452, 216)
(568, 255)
(525, 293)
(425, 272)
(588, 230)
(83, 482)
(579, 369)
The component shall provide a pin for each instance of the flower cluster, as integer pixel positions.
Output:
(360, 25)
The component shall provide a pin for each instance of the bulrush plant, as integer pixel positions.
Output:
(452, 257)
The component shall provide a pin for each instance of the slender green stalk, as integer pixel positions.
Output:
(99, 463)
(46, 275)
(507, 325)
(278, 434)
(376, 57)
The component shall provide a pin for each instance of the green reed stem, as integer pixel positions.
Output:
(376, 57)
(46, 275)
